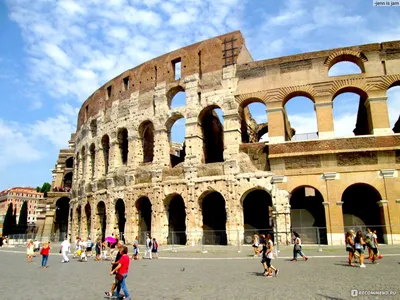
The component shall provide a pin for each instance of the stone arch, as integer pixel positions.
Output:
(298, 93)
(349, 55)
(122, 137)
(214, 218)
(172, 93)
(120, 214)
(177, 151)
(249, 125)
(257, 212)
(176, 214)
(363, 124)
(88, 215)
(213, 135)
(78, 212)
(61, 218)
(92, 153)
(69, 163)
(361, 209)
(146, 133)
(93, 127)
(307, 214)
(67, 181)
(105, 143)
(393, 94)
(101, 212)
(144, 209)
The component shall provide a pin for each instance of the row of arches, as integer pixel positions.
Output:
(307, 214)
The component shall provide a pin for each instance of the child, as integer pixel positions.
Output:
(135, 255)
(154, 249)
(83, 257)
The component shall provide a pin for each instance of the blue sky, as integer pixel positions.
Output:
(54, 54)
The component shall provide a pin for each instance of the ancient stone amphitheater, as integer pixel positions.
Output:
(222, 184)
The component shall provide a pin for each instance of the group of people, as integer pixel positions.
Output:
(267, 253)
(356, 244)
(33, 247)
(151, 248)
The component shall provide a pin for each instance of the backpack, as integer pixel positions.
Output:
(155, 245)
(150, 243)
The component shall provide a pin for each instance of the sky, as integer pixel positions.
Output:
(54, 54)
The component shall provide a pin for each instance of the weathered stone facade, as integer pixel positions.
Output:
(122, 145)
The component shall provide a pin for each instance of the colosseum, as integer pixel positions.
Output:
(124, 174)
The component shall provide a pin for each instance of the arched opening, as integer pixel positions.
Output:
(307, 215)
(143, 205)
(88, 214)
(361, 209)
(102, 218)
(176, 97)
(69, 163)
(123, 145)
(257, 213)
(79, 220)
(146, 130)
(77, 163)
(254, 125)
(301, 119)
(176, 134)
(61, 218)
(92, 151)
(175, 207)
(350, 113)
(214, 219)
(211, 120)
(83, 157)
(67, 181)
(105, 143)
(393, 104)
(93, 127)
(344, 68)
(120, 214)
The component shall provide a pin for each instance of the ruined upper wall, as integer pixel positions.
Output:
(201, 58)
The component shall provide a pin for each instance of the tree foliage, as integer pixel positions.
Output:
(45, 187)
(23, 218)
(8, 221)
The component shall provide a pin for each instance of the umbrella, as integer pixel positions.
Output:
(110, 239)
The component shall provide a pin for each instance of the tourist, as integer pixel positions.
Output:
(99, 248)
(113, 247)
(136, 253)
(379, 250)
(359, 246)
(36, 248)
(297, 248)
(147, 253)
(136, 241)
(114, 264)
(267, 256)
(29, 250)
(373, 245)
(121, 272)
(349, 241)
(256, 244)
(45, 254)
(154, 248)
(65, 247)
(89, 246)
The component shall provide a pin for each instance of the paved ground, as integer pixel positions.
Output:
(217, 274)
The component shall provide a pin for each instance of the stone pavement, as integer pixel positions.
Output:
(194, 275)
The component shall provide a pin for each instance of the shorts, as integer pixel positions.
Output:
(375, 250)
(89, 249)
(267, 261)
(154, 250)
(350, 249)
(36, 250)
(360, 251)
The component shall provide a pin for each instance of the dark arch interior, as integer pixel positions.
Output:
(68, 180)
(79, 217)
(213, 137)
(88, 214)
(69, 163)
(61, 221)
(101, 212)
(177, 221)
(148, 142)
(361, 210)
(256, 213)
(120, 212)
(123, 145)
(214, 219)
(143, 206)
(105, 142)
(92, 151)
(308, 215)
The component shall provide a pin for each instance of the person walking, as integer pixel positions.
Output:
(349, 241)
(256, 244)
(297, 248)
(136, 252)
(374, 247)
(98, 248)
(45, 254)
(267, 256)
(36, 249)
(147, 253)
(359, 246)
(114, 264)
(154, 249)
(29, 250)
(121, 272)
(65, 246)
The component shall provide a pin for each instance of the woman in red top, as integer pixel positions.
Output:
(121, 272)
(45, 254)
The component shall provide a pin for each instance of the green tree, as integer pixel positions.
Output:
(38, 189)
(45, 187)
(7, 224)
(23, 218)
(14, 222)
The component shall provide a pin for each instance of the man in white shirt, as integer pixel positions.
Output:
(148, 247)
(65, 245)
(36, 247)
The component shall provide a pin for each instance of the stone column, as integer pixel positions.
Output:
(276, 122)
(113, 156)
(378, 116)
(234, 216)
(324, 112)
(232, 133)
(194, 142)
(333, 210)
(161, 147)
(280, 211)
(390, 208)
